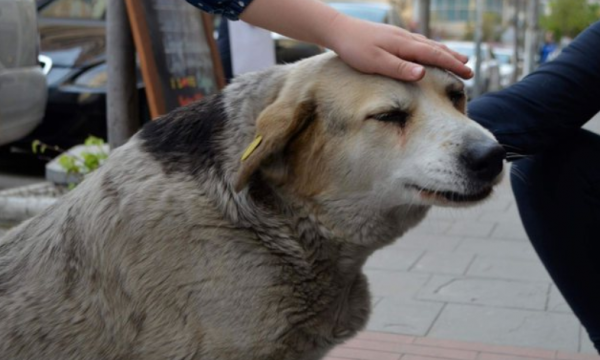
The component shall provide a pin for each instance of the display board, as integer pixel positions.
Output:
(177, 53)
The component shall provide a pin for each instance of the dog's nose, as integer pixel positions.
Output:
(483, 159)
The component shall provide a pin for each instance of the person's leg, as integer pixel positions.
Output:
(558, 195)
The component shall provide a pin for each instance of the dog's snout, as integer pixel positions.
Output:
(484, 159)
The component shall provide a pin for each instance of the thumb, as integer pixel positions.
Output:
(392, 66)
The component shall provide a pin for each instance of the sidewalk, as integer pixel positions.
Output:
(382, 346)
(471, 275)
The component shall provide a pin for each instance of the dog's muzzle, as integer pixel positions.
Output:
(483, 160)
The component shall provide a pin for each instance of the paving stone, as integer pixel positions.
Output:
(411, 349)
(406, 317)
(359, 354)
(470, 228)
(433, 227)
(504, 249)
(393, 259)
(427, 242)
(487, 348)
(443, 263)
(561, 355)
(510, 215)
(400, 285)
(536, 329)
(490, 292)
(585, 344)
(499, 201)
(511, 269)
(420, 357)
(488, 356)
(509, 231)
(556, 302)
(454, 214)
(385, 337)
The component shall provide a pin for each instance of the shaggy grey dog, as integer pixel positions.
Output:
(177, 249)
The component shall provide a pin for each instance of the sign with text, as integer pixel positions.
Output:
(177, 52)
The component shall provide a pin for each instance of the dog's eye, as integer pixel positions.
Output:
(397, 116)
(456, 96)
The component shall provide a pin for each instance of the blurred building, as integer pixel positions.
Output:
(456, 18)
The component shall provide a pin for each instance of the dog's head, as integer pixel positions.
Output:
(333, 133)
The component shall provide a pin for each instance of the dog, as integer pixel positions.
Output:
(237, 227)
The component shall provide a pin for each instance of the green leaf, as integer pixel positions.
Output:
(34, 146)
(69, 163)
(90, 160)
(94, 141)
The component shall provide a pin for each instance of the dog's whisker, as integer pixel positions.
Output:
(510, 146)
(518, 174)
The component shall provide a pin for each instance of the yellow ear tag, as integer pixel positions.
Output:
(250, 149)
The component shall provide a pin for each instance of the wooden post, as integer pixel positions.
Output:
(122, 96)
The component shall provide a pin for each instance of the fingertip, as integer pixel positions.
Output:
(468, 74)
(417, 73)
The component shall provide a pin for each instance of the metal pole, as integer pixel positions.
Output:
(121, 98)
(479, 10)
(424, 17)
(531, 35)
(515, 56)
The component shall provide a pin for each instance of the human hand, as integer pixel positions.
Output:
(389, 50)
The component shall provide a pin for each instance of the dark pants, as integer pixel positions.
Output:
(558, 195)
(557, 187)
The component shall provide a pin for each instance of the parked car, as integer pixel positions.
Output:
(73, 54)
(504, 55)
(22, 83)
(490, 68)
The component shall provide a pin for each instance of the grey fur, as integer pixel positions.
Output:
(148, 259)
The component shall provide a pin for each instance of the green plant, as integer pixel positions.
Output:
(569, 17)
(76, 164)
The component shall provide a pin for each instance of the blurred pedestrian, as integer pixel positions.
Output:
(548, 47)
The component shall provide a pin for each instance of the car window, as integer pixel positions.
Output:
(75, 9)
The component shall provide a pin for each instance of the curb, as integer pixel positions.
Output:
(19, 204)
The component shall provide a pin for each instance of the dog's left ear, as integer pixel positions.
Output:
(275, 127)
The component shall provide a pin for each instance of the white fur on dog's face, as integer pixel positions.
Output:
(383, 140)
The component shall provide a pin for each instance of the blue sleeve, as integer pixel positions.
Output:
(230, 9)
(556, 99)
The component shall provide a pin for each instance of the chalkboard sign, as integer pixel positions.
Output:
(177, 52)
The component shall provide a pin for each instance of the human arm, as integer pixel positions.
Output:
(366, 46)
(553, 101)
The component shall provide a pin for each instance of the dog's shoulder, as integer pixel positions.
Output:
(186, 139)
